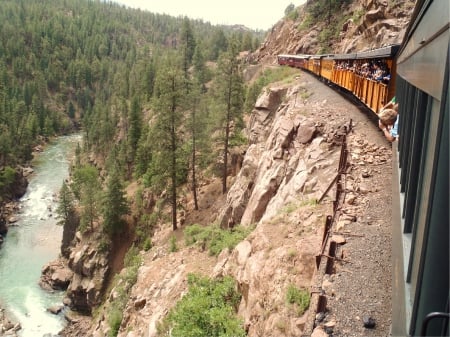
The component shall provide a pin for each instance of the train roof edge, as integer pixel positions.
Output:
(387, 51)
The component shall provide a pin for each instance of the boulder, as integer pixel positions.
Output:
(319, 332)
(27, 171)
(373, 15)
(305, 133)
(242, 252)
(270, 99)
(55, 275)
(55, 309)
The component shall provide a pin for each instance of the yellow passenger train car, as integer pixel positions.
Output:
(369, 75)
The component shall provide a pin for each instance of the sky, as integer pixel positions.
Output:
(255, 14)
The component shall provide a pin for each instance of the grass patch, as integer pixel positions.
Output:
(207, 310)
(309, 202)
(289, 207)
(214, 238)
(298, 297)
(292, 253)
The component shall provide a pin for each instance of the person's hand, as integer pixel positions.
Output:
(381, 125)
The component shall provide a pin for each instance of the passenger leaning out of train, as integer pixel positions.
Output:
(388, 120)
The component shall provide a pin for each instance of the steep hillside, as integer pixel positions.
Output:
(318, 27)
(295, 129)
(293, 132)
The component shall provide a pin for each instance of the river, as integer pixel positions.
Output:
(34, 242)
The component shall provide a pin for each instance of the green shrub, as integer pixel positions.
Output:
(114, 321)
(293, 15)
(7, 176)
(173, 244)
(307, 23)
(147, 244)
(207, 310)
(214, 238)
(299, 297)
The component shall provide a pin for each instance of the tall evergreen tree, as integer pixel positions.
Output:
(114, 205)
(86, 188)
(200, 74)
(68, 217)
(188, 45)
(164, 167)
(135, 125)
(66, 207)
(230, 92)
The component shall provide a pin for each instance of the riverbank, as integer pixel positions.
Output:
(33, 240)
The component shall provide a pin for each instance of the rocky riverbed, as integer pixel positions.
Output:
(8, 327)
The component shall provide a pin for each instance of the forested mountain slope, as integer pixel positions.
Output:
(64, 64)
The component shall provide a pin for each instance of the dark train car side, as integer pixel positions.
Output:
(421, 170)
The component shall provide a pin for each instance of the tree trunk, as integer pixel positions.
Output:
(227, 136)
(194, 178)
(174, 161)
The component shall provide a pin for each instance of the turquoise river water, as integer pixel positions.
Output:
(34, 242)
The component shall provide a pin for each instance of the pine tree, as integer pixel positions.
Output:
(231, 96)
(68, 217)
(200, 73)
(165, 167)
(66, 208)
(187, 44)
(114, 205)
(86, 187)
(135, 125)
(197, 123)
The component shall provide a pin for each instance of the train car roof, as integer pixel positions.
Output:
(388, 51)
(299, 56)
(321, 56)
(344, 56)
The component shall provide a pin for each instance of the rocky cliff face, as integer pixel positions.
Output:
(368, 24)
(286, 154)
(83, 274)
(90, 267)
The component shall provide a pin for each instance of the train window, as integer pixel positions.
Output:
(416, 126)
(423, 157)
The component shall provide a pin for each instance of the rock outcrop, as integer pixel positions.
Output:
(55, 275)
(370, 24)
(286, 149)
(90, 268)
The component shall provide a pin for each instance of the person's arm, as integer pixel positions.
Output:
(386, 132)
(389, 105)
(388, 135)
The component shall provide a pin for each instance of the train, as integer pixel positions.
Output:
(369, 75)
(418, 76)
